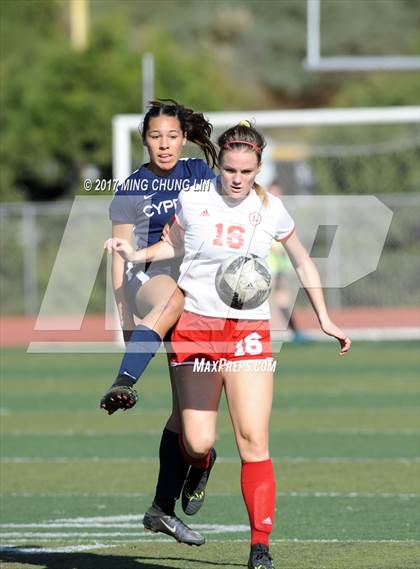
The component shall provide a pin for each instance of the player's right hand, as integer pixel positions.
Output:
(166, 234)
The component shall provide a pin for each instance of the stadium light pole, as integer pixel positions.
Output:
(148, 79)
(313, 48)
(148, 85)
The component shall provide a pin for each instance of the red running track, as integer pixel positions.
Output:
(19, 330)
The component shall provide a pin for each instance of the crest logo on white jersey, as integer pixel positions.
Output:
(255, 218)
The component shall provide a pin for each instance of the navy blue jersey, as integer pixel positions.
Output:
(148, 201)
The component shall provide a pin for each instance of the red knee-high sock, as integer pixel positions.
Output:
(259, 491)
(201, 463)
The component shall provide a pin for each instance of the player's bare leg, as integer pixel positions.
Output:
(199, 396)
(250, 397)
(161, 302)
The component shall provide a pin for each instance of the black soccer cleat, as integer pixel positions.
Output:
(194, 490)
(156, 521)
(260, 558)
(121, 395)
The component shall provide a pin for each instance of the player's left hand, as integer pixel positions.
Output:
(121, 246)
(331, 329)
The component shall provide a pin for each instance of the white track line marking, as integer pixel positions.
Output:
(101, 523)
(67, 535)
(63, 549)
(221, 460)
(321, 431)
(95, 546)
(348, 495)
(129, 521)
(292, 494)
(208, 528)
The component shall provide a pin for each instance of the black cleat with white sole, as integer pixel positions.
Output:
(121, 394)
(194, 490)
(260, 558)
(157, 521)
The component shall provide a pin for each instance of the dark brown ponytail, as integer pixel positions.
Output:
(194, 125)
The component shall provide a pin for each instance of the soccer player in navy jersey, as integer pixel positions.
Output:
(143, 204)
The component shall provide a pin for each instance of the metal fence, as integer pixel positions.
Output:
(32, 233)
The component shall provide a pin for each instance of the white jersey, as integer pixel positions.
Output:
(216, 228)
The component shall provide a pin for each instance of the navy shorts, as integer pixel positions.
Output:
(135, 278)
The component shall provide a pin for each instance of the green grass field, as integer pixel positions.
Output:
(344, 439)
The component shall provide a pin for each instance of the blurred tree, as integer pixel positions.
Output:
(380, 89)
(377, 27)
(57, 114)
(264, 42)
(57, 107)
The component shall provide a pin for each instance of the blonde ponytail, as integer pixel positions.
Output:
(261, 193)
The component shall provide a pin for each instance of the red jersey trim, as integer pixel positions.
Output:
(287, 236)
(177, 222)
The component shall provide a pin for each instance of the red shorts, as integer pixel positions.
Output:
(197, 336)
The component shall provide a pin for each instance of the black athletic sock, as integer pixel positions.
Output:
(173, 470)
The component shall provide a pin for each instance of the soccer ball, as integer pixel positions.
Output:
(244, 281)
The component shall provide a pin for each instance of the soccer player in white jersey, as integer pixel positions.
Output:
(218, 347)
